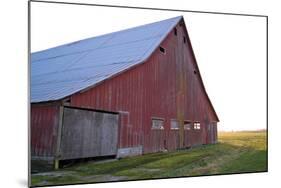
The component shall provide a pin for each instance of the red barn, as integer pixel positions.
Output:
(126, 93)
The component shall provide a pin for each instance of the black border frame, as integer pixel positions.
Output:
(146, 8)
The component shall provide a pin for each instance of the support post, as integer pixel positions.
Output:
(57, 154)
(56, 164)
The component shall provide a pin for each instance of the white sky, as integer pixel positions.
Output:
(230, 51)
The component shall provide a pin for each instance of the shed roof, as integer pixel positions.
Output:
(64, 70)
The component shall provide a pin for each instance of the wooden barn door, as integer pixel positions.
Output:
(157, 142)
(187, 133)
(87, 133)
(211, 133)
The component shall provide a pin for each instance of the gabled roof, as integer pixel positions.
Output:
(64, 70)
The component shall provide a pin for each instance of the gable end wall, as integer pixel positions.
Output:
(165, 86)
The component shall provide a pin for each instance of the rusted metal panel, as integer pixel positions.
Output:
(44, 123)
(88, 133)
(167, 86)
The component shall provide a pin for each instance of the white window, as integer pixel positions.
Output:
(174, 124)
(196, 125)
(187, 125)
(157, 124)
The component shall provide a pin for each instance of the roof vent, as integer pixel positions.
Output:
(162, 50)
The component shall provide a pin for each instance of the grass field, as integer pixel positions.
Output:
(235, 152)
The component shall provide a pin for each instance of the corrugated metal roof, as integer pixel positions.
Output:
(64, 70)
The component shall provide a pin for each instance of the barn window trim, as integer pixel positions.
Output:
(177, 127)
(158, 118)
(155, 121)
(162, 50)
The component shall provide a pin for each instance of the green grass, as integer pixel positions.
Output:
(252, 148)
(236, 152)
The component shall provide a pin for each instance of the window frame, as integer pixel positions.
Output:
(174, 128)
(197, 125)
(189, 123)
(162, 127)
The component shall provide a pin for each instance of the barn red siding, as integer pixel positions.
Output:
(165, 86)
(44, 121)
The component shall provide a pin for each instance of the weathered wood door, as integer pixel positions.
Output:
(187, 136)
(158, 140)
(88, 133)
(210, 133)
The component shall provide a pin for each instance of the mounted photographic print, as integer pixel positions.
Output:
(116, 93)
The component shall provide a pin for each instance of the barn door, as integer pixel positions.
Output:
(187, 133)
(157, 142)
(88, 133)
(210, 133)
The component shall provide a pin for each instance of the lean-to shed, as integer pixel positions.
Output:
(125, 93)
